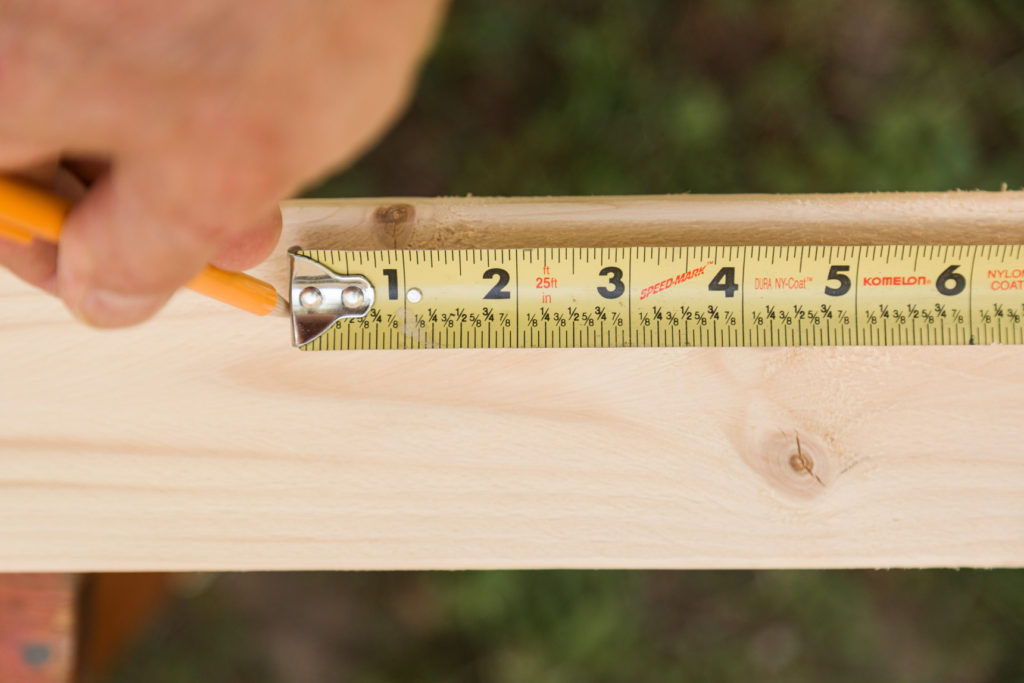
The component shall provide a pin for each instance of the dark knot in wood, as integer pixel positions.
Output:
(394, 214)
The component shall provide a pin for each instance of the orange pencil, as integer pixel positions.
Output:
(14, 234)
(27, 211)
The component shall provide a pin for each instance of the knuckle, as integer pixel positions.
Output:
(244, 168)
(33, 91)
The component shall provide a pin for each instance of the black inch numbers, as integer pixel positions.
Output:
(724, 281)
(615, 287)
(392, 275)
(950, 282)
(838, 273)
(498, 291)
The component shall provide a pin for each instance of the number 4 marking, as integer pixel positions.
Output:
(724, 281)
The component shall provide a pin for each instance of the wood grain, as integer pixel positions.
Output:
(204, 441)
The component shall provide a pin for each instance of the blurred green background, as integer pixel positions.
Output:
(650, 96)
(529, 97)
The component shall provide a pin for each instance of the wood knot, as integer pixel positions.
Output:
(801, 462)
(395, 223)
(394, 214)
(798, 465)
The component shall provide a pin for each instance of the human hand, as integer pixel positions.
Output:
(201, 115)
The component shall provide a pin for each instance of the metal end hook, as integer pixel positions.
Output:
(320, 297)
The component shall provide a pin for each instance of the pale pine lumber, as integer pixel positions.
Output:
(204, 441)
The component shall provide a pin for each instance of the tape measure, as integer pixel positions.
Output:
(720, 296)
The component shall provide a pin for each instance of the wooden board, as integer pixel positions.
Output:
(205, 441)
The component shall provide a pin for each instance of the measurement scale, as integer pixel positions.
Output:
(720, 296)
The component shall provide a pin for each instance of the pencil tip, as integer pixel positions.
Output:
(282, 309)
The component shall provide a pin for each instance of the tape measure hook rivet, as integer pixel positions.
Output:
(311, 297)
(352, 297)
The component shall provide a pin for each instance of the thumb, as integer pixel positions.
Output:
(121, 258)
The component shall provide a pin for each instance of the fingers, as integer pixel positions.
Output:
(102, 275)
(121, 259)
(35, 263)
(21, 155)
(251, 247)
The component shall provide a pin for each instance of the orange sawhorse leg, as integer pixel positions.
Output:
(37, 627)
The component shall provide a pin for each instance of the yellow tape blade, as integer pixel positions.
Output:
(719, 296)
